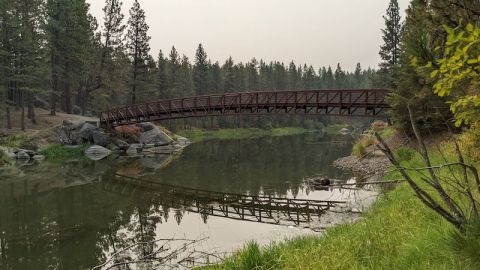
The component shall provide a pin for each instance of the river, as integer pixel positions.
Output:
(76, 214)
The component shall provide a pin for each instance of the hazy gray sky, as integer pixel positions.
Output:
(317, 32)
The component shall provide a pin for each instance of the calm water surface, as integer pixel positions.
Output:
(74, 215)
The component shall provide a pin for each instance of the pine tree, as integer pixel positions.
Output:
(137, 45)
(390, 50)
(200, 75)
(113, 28)
(340, 77)
(162, 76)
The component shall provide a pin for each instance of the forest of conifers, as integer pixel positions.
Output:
(53, 54)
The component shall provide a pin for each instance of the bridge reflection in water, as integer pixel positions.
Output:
(262, 209)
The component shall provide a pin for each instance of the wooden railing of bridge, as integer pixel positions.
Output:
(338, 102)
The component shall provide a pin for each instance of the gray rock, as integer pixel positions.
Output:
(149, 146)
(169, 149)
(182, 141)
(134, 149)
(29, 152)
(62, 134)
(147, 126)
(67, 123)
(38, 157)
(97, 152)
(122, 145)
(100, 138)
(22, 155)
(154, 136)
(86, 132)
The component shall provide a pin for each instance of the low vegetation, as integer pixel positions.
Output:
(398, 232)
(60, 153)
(196, 135)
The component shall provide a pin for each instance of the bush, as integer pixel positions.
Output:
(378, 126)
(360, 147)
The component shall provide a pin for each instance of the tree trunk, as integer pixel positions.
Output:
(22, 120)
(9, 120)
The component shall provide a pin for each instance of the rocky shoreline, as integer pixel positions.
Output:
(368, 167)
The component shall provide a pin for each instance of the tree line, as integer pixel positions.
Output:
(412, 52)
(54, 54)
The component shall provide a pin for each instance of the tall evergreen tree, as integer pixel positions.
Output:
(390, 50)
(137, 45)
(200, 76)
(162, 76)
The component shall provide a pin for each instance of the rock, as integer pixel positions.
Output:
(86, 132)
(182, 141)
(97, 152)
(169, 149)
(30, 153)
(100, 138)
(62, 134)
(67, 123)
(93, 123)
(38, 157)
(22, 155)
(144, 127)
(154, 136)
(149, 146)
(122, 145)
(134, 149)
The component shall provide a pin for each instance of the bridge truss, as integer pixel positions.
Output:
(340, 102)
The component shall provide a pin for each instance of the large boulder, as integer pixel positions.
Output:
(97, 152)
(100, 138)
(22, 155)
(134, 149)
(151, 134)
(86, 132)
(122, 145)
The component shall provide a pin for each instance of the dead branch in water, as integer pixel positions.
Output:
(169, 254)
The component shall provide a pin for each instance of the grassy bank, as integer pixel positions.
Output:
(196, 135)
(398, 232)
(57, 153)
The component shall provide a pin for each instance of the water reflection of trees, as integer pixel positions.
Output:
(44, 225)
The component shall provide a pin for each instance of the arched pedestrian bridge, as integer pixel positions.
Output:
(338, 102)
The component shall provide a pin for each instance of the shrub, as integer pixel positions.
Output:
(360, 147)
(378, 126)
(359, 150)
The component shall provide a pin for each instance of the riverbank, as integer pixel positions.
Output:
(197, 135)
(397, 232)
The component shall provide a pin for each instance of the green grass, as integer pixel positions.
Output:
(14, 141)
(397, 232)
(196, 135)
(59, 153)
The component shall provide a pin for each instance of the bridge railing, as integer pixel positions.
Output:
(315, 98)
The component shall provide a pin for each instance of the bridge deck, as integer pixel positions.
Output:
(340, 102)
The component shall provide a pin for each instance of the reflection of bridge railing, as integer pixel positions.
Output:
(337, 102)
(263, 209)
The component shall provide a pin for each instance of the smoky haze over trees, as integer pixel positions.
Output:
(53, 54)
